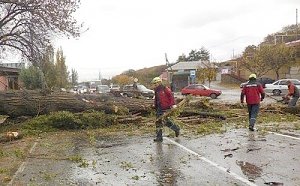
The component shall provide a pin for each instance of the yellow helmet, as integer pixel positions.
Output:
(252, 76)
(156, 80)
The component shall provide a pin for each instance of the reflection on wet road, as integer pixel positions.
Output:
(168, 172)
(136, 160)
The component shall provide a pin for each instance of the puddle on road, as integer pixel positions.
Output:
(168, 171)
(251, 171)
(167, 175)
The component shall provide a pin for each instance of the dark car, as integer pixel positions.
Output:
(262, 80)
(140, 90)
(200, 90)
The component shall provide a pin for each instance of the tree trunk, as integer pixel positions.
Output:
(33, 103)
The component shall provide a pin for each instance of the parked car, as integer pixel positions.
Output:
(262, 80)
(82, 89)
(103, 89)
(130, 91)
(93, 88)
(200, 90)
(280, 87)
(114, 88)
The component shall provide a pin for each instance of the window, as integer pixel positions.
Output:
(296, 82)
(12, 82)
(283, 82)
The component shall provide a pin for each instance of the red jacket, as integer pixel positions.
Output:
(163, 98)
(293, 90)
(253, 91)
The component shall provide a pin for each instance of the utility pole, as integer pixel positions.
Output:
(296, 24)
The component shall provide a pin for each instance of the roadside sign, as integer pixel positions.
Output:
(192, 72)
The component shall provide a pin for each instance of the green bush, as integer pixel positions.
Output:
(37, 125)
(65, 120)
(95, 119)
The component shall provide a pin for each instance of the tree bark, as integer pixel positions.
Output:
(33, 103)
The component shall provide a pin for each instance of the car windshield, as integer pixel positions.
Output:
(103, 87)
(197, 86)
(82, 87)
(142, 88)
(205, 87)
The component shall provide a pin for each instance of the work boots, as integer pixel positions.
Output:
(159, 137)
(177, 132)
(252, 129)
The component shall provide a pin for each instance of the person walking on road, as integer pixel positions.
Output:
(293, 92)
(254, 93)
(163, 101)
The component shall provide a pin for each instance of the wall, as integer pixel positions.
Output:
(3, 83)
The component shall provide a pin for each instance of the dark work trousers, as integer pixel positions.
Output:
(253, 111)
(293, 102)
(160, 124)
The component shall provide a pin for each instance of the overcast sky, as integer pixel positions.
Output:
(134, 34)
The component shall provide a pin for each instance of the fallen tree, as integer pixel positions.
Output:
(33, 103)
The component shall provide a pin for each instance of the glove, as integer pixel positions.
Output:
(261, 99)
(174, 106)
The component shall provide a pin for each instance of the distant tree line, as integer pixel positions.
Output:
(51, 73)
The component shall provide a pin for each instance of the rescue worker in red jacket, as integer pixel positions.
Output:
(254, 93)
(163, 101)
(293, 92)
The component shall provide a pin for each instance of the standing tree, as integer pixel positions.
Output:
(32, 77)
(207, 72)
(74, 77)
(182, 58)
(280, 56)
(27, 26)
(48, 67)
(268, 57)
(252, 60)
(61, 69)
(121, 79)
(195, 55)
(130, 72)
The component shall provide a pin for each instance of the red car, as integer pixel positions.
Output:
(200, 90)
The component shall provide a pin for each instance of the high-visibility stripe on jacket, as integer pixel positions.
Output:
(163, 98)
(253, 91)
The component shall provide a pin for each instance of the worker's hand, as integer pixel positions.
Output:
(174, 106)
(261, 99)
(242, 103)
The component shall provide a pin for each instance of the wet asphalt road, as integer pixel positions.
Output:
(238, 157)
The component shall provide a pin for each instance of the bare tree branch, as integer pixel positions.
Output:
(28, 26)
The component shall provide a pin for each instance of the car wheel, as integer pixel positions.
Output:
(213, 96)
(276, 92)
